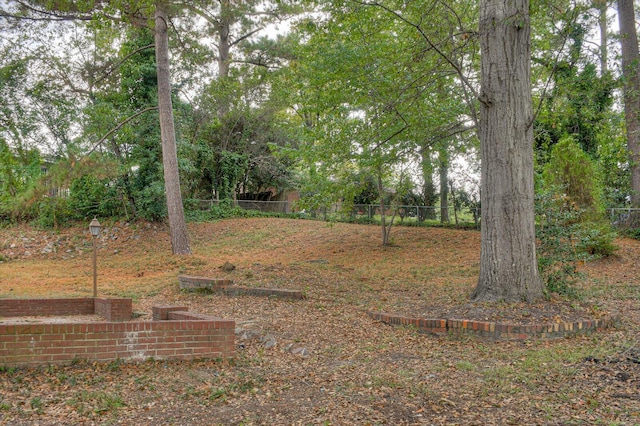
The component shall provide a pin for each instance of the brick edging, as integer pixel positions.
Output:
(498, 330)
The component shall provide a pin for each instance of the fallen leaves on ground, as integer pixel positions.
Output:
(321, 360)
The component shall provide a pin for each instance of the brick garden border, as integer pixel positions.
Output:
(111, 309)
(487, 330)
(175, 333)
(225, 286)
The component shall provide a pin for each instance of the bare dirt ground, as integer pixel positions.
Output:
(322, 360)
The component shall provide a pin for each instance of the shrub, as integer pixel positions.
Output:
(563, 240)
(224, 210)
(52, 212)
(91, 196)
(571, 176)
(596, 240)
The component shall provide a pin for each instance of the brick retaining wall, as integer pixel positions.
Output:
(182, 335)
(191, 283)
(223, 285)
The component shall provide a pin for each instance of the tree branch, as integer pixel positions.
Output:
(246, 36)
(424, 35)
(120, 62)
(43, 15)
(119, 125)
(551, 75)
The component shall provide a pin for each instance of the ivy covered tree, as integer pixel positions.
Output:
(631, 75)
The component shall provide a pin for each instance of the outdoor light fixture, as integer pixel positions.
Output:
(94, 228)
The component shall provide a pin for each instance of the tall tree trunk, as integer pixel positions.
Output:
(443, 159)
(604, 35)
(383, 211)
(223, 29)
(175, 210)
(631, 74)
(224, 47)
(454, 202)
(508, 264)
(429, 190)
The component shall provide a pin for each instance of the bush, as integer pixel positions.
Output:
(596, 241)
(632, 233)
(91, 196)
(151, 203)
(571, 221)
(564, 238)
(572, 175)
(53, 212)
(224, 210)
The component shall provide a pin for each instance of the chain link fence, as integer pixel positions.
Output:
(360, 212)
(403, 214)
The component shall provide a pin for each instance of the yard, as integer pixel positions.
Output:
(322, 360)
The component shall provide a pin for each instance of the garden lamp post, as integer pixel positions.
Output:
(94, 227)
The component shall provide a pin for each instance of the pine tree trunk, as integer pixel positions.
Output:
(175, 210)
(223, 29)
(508, 264)
(604, 35)
(429, 190)
(443, 159)
(631, 74)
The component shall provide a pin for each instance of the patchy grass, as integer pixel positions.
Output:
(353, 370)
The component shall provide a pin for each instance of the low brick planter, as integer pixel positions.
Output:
(191, 283)
(111, 309)
(498, 331)
(174, 334)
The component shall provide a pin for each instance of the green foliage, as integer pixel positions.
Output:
(20, 171)
(135, 182)
(236, 153)
(613, 162)
(151, 201)
(575, 214)
(596, 239)
(631, 233)
(564, 238)
(578, 101)
(578, 107)
(557, 259)
(231, 166)
(369, 192)
(52, 212)
(572, 176)
(223, 210)
(368, 98)
(91, 196)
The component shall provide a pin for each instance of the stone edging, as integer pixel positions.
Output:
(487, 330)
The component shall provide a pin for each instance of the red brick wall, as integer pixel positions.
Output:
(42, 344)
(46, 307)
(161, 313)
(114, 309)
(183, 336)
